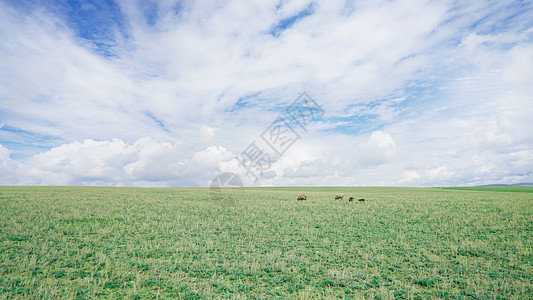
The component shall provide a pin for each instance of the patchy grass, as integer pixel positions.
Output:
(403, 243)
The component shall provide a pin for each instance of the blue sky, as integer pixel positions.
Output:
(171, 93)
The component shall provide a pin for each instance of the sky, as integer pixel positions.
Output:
(172, 93)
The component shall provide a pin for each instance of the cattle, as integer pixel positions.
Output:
(361, 200)
(339, 196)
(302, 197)
(351, 199)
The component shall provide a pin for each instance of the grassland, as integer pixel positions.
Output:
(135, 243)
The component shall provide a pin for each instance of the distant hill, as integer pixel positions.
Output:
(495, 188)
(515, 184)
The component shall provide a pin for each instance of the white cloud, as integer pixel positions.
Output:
(4, 158)
(165, 109)
(382, 141)
(519, 72)
(78, 163)
(439, 173)
(408, 177)
(145, 162)
(212, 157)
(9, 169)
(379, 149)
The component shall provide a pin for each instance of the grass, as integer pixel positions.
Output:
(506, 189)
(137, 243)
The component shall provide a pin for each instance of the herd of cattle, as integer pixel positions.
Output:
(337, 197)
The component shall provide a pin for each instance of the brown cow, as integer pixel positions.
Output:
(351, 199)
(302, 197)
(361, 200)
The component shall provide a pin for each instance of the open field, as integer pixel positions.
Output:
(136, 243)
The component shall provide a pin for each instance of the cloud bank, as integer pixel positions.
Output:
(170, 93)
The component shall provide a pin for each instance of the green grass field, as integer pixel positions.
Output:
(137, 243)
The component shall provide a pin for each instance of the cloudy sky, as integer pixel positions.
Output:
(171, 93)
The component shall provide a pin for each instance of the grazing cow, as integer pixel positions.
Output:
(351, 199)
(361, 200)
(302, 197)
(339, 196)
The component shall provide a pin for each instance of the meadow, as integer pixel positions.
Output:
(155, 243)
